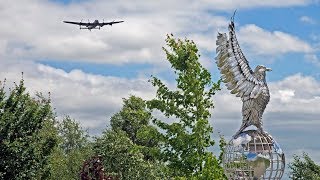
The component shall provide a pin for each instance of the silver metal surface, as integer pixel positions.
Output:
(251, 154)
(249, 85)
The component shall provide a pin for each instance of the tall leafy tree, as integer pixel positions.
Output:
(129, 149)
(134, 119)
(27, 135)
(73, 135)
(303, 167)
(123, 158)
(131, 117)
(73, 149)
(186, 141)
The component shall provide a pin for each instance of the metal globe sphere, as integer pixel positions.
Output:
(253, 154)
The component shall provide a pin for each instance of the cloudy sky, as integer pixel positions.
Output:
(88, 73)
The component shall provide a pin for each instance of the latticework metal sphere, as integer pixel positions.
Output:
(253, 155)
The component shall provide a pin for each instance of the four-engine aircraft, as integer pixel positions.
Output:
(94, 25)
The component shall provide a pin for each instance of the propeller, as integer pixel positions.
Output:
(102, 23)
(88, 23)
(80, 22)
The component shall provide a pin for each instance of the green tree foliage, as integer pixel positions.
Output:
(73, 149)
(123, 158)
(304, 168)
(134, 120)
(27, 134)
(132, 116)
(186, 142)
(129, 149)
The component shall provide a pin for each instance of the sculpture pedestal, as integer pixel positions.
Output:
(253, 155)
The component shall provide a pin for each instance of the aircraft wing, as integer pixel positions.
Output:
(77, 23)
(110, 23)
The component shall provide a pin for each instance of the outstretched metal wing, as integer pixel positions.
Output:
(234, 67)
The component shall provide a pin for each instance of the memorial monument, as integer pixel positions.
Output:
(252, 153)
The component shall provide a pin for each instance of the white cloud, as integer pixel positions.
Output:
(284, 95)
(35, 29)
(274, 43)
(42, 35)
(307, 19)
(296, 94)
(205, 42)
(90, 99)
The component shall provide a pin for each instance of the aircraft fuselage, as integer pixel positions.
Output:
(93, 25)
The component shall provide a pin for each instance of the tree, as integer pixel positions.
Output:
(129, 149)
(123, 158)
(27, 135)
(134, 119)
(304, 168)
(186, 142)
(73, 149)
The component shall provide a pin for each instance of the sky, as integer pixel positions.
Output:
(89, 72)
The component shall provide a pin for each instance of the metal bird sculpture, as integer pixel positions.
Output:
(249, 85)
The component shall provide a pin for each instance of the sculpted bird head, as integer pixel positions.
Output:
(260, 72)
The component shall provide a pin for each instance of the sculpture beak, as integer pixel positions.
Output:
(268, 69)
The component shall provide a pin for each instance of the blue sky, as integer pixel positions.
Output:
(88, 73)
